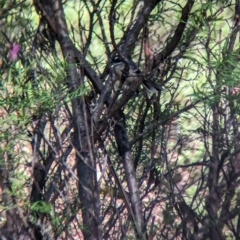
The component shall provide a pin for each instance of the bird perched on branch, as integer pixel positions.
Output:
(119, 65)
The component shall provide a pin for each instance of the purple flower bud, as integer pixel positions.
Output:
(14, 52)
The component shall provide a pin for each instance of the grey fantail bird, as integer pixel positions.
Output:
(134, 73)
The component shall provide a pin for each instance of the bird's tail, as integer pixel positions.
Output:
(151, 86)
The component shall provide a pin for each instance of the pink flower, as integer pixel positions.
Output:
(14, 52)
(235, 91)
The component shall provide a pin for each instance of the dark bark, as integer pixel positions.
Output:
(126, 156)
(85, 162)
(166, 52)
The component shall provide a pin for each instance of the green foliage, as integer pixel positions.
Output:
(41, 207)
